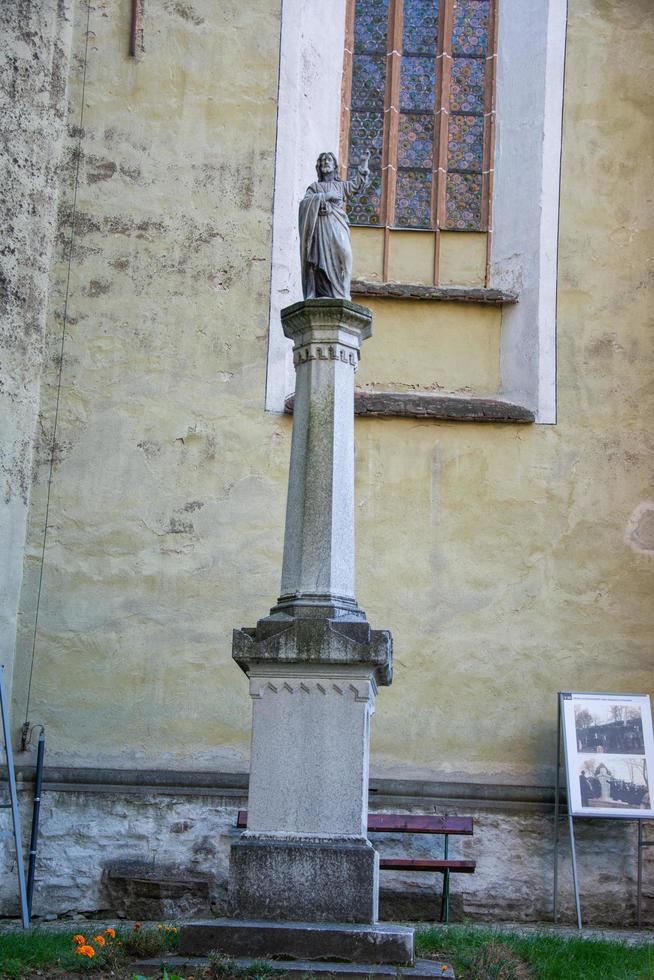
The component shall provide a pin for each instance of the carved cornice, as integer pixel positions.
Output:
(296, 644)
(359, 689)
(326, 352)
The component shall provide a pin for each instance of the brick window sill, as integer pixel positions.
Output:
(426, 405)
(443, 294)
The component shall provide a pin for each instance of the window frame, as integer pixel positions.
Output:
(392, 111)
(529, 97)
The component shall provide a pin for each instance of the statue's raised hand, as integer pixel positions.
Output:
(363, 166)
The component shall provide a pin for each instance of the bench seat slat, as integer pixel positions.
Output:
(423, 864)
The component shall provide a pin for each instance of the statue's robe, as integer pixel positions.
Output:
(325, 249)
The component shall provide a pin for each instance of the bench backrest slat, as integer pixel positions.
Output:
(404, 823)
(419, 823)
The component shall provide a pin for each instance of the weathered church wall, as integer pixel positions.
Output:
(170, 480)
(34, 54)
(509, 562)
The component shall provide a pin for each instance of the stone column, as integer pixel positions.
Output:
(318, 566)
(314, 663)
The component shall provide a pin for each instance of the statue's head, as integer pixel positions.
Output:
(327, 167)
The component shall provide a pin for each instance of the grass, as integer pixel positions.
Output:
(24, 953)
(475, 954)
(485, 954)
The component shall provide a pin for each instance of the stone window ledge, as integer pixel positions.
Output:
(443, 294)
(426, 405)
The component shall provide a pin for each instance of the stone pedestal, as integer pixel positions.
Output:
(314, 665)
(305, 854)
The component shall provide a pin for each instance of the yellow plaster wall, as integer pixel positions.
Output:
(432, 346)
(463, 258)
(169, 484)
(502, 557)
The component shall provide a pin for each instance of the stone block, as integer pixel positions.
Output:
(303, 879)
(300, 940)
(141, 891)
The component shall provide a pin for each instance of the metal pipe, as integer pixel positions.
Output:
(574, 866)
(13, 797)
(639, 883)
(36, 811)
(134, 27)
(557, 786)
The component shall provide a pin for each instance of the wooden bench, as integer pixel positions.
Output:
(417, 823)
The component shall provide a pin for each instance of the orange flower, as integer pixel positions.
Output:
(100, 940)
(85, 951)
(137, 926)
(79, 939)
(111, 933)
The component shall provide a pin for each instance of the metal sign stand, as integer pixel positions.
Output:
(13, 801)
(642, 843)
(571, 827)
(557, 803)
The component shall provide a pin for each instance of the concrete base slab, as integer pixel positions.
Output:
(182, 965)
(347, 942)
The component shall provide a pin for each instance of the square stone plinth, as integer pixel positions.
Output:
(184, 965)
(379, 943)
(304, 880)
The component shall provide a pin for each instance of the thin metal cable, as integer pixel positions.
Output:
(61, 361)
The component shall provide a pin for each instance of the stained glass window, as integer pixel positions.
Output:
(419, 93)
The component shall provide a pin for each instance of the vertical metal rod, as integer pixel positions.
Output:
(639, 880)
(557, 790)
(36, 811)
(134, 27)
(15, 812)
(574, 865)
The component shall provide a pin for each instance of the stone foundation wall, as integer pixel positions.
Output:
(156, 854)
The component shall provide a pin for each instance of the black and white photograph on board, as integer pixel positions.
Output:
(609, 753)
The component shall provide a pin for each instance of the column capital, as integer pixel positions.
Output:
(335, 321)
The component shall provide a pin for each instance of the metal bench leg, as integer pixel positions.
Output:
(445, 897)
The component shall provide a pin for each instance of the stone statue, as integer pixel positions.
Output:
(325, 249)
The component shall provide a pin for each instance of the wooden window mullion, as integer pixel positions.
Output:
(489, 134)
(444, 73)
(391, 123)
(346, 90)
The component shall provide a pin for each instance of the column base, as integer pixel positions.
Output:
(316, 880)
(381, 943)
